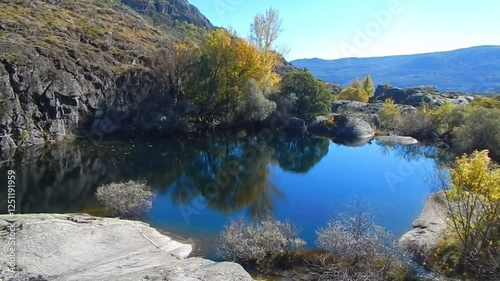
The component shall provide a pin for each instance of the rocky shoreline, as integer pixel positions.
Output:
(93, 248)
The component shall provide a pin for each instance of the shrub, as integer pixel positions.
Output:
(358, 91)
(256, 107)
(258, 243)
(389, 114)
(360, 249)
(125, 199)
(480, 129)
(312, 95)
(472, 197)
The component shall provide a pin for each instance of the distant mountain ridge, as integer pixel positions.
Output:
(469, 70)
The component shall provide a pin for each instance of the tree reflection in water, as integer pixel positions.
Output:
(63, 178)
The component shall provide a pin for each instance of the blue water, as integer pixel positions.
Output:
(388, 183)
(202, 183)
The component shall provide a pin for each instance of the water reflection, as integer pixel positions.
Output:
(64, 177)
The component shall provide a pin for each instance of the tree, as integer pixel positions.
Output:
(312, 95)
(225, 66)
(368, 85)
(265, 30)
(389, 114)
(358, 91)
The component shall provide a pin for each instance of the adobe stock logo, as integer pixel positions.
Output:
(364, 36)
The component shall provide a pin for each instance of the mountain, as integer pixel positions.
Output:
(68, 67)
(469, 70)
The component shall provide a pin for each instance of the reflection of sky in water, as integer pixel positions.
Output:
(391, 187)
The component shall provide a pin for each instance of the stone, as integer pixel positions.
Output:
(80, 247)
(428, 228)
(295, 125)
(350, 127)
(417, 96)
(391, 140)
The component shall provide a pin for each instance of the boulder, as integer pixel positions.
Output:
(392, 140)
(428, 228)
(81, 247)
(350, 127)
(416, 96)
(295, 125)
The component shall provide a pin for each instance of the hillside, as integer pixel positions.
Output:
(70, 66)
(469, 70)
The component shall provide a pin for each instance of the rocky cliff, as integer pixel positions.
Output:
(83, 68)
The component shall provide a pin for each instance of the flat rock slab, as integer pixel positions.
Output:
(391, 140)
(82, 247)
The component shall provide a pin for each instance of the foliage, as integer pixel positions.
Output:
(258, 243)
(366, 251)
(225, 66)
(125, 199)
(486, 102)
(477, 128)
(256, 107)
(358, 91)
(473, 202)
(312, 98)
(389, 114)
(464, 128)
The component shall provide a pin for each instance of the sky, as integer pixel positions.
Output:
(332, 29)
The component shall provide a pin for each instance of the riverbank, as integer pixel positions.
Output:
(94, 248)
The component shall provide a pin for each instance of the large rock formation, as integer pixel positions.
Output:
(428, 228)
(179, 10)
(345, 127)
(81, 247)
(75, 67)
(417, 96)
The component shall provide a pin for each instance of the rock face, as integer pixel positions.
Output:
(81, 247)
(363, 107)
(428, 228)
(179, 10)
(418, 95)
(67, 76)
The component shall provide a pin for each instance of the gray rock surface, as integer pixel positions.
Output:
(428, 228)
(418, 95)
(82, 247)
(350, 127)
(391, 140)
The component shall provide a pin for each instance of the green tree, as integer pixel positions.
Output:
(312, 96)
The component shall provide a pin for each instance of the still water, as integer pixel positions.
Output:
(202, 182)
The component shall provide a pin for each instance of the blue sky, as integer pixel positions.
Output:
(333, 29)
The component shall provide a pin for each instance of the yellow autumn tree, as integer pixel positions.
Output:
(473, 201)
(358, 91)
